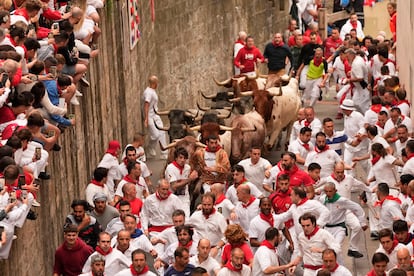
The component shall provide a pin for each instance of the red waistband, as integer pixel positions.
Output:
(159, 228)
(312, 267)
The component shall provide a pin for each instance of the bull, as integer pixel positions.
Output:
(220, 100)
(179, 120)
(190, 143)
(278, 106)
(248, 130)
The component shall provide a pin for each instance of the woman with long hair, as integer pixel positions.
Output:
(236, 238)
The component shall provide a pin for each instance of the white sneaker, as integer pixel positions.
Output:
(14, 237)
(35, 203)
(84, 81)
(78, 93)
(74, 101)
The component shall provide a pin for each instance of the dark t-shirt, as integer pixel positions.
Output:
(186, 272)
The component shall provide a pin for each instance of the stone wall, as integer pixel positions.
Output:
(188, 44)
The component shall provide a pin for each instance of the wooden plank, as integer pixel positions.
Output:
(337, 16)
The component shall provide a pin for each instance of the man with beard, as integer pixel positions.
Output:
(103, 212)
(302, 146)
(72, 254)
(203, 258)
(115, 261)
(298, 178)
(139, 265)
(88, 226)
(209, 224)
(117, 223)
(323, 155)
(131, 155)
(235, 266)
(259, 224)
(180, 175)
(266, 259)
(185, 239)
(133, 177)
(181, 267)
(404, 258)
(156, 214)
(97, 266)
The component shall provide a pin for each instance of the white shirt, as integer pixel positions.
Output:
(227, 272)
(321, 239)
(408, 167)
(159, 212)
(295, 131)
(114, 226)
(140, 187)
(340, 271)
(127, 272)
(210, 264)
(371, 117)
(272, 178)
(168, 255)
(345, 187)
(263, 259)
(405, 108)
(246, 213)
(392, 257)
(297, 148)
(169, 235)
(255, 172)
(141, 242)
(172, 174)
(384, 171)
(114, 262)
(339, 208)
(326, 159)
(258, 227)
(150, 96)
(352, 125)
(316, 127)
(122, 169)
(404, 121)
(211, 228)
(93, 189)
(231, 193)
(347, 27)
(389, 211)
(110, 162)
(225, 208)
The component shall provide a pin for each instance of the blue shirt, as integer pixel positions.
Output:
(186, 272)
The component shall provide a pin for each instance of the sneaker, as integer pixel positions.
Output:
(31, 215)
(84, 81)
(35, 203)
(44, 176)
(78, 93)
(14, 237)
(355, 254)
(56, 147)
(74, 101)
(374, 235)
(320, 95)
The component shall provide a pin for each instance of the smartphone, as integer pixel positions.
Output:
(55, 26)
(24, 194)
(2, 183)
(12, 197)
(4, 79)
(22, 181)
(71, 116)
(52, 70)
(38, 153)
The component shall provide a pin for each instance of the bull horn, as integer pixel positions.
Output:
(160, 128)
(222, 116)
(226, 128)
(230, 94)
(285, 78)
(248, 129)
(207, 97)
(275, 93)
(198, 119)
(170, 145)
(189, 114)
(247, 93)
(167, 112)
(202, 108)
(195, 128)
(238, 77)
(199, 144)
(228, 108)
(222, 83)
(263, 76)
(234, 100)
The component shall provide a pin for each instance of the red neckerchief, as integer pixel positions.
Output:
(157, 195)
(220, 199)
(324, 149)
(388, 197)
(251, 200)
(376, 108)
(302, 201)
(268, 218)
(216, 150)
(404, 101)
(372, 273)
(188, 245)
(268, 244)
(410, 156)
(388, 61)
(127, 178)
(97, 183)
(336, 179)
(375, 159)
(212, 212)
(181, 168)
(103, 253)
(125, 161)
(23, 12)
(136, 273)
(306, 146)
(378, 124)
(317, 61)
(307, 123)
(280, 44)
(313, 233)
(240, 41)
(242, 181)
(394, 245)
(333, 270)
(231, 267)
(354, 24)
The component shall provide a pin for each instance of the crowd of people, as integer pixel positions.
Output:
(290, 218)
